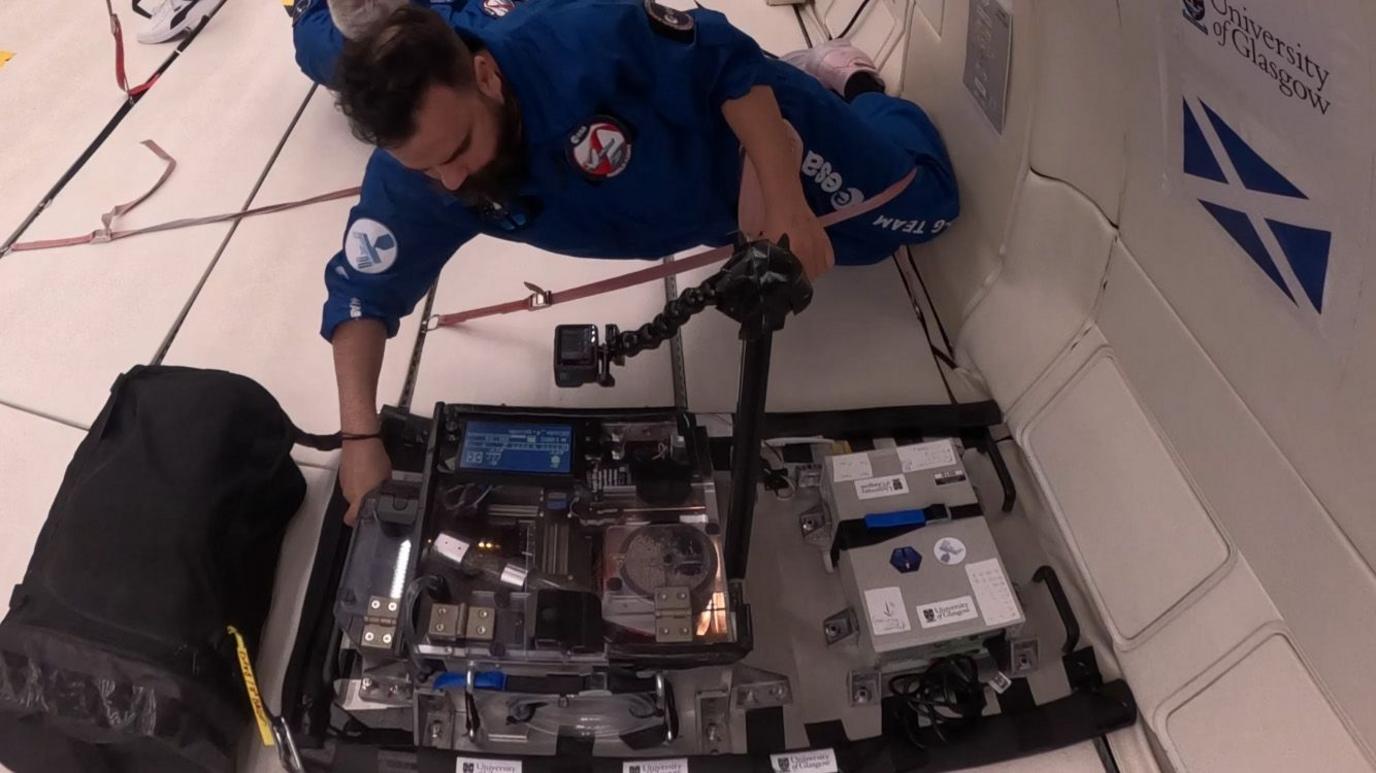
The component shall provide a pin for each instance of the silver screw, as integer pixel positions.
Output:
(436, 730)
(862, 695)
(683, 632)
(386, 638)
(439, 627)
(367, 684)
(749, 696)
(482, 613)
(714, 733)
(832, 631)
(391, 606)
(777, 691)
(682, 595)
(664, 631)
(482, 630)
(369, 636)
(376, 604)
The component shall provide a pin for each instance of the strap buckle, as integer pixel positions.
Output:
(432, 323)
(539, 297)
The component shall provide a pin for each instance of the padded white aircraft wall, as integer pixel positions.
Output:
(1159, 275)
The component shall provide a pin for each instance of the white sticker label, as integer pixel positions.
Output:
(677, 765)
(693, 518)
(819, 761)
(479, 765)
(994, 594)
(851, 467)
(927, 456)
(947, 612)
(950, 551)
(887, 613)
(370, 246)
(874, 488)
(1000, 682)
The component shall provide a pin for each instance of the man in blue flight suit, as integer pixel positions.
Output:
(595, 128)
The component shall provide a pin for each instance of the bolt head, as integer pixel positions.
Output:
(482, 613)
(862, 695)
(391, 606)
(482, 630)
(777, 691)
(375, 604)
(369, 636)
(386, 638)
(367, 684)
(439, 627)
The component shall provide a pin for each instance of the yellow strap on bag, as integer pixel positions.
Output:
(255, 698)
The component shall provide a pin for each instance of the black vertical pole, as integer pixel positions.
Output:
(745, 451)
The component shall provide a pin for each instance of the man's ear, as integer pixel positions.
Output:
(487, 76)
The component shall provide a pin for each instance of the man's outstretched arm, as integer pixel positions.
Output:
(358, 348)
(772, 149)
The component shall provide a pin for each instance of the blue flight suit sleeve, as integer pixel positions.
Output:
(614, 49)
(399, 237)
(317, 41)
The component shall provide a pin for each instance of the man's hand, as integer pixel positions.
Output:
(365, 466)
(807, 239)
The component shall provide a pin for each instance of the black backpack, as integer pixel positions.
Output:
(115, 654)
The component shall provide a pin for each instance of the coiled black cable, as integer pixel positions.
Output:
(946, 699)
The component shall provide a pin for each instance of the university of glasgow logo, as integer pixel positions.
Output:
(1305, 249)
(1193, 11)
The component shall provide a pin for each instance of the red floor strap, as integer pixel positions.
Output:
(540, 299)
(121, 78)
(107, 232)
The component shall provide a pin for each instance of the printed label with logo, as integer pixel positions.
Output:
(957, 610)
(818, 761)
(888, 486)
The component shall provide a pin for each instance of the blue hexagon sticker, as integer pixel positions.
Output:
(905, 559)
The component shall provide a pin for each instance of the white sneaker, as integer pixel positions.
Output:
(175, 18)
(833, 63)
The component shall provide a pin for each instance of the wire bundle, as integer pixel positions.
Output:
(947, 698)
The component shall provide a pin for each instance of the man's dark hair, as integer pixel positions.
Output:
(382, 77)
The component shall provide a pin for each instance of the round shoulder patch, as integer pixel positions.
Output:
(600, 148)
(498, 8)
(370, 246)
(669, 21)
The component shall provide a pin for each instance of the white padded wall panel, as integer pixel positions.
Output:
(294, 564)
(1322, 587)
(509, 359)
(1055, 261)
(1298, 354)
(1261, 712)
(989, 165)
(58, 93)
(72, 319)
(34, 453)
(1202, 635)
(1143, 539)
(259, 311)
(1078, 134)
